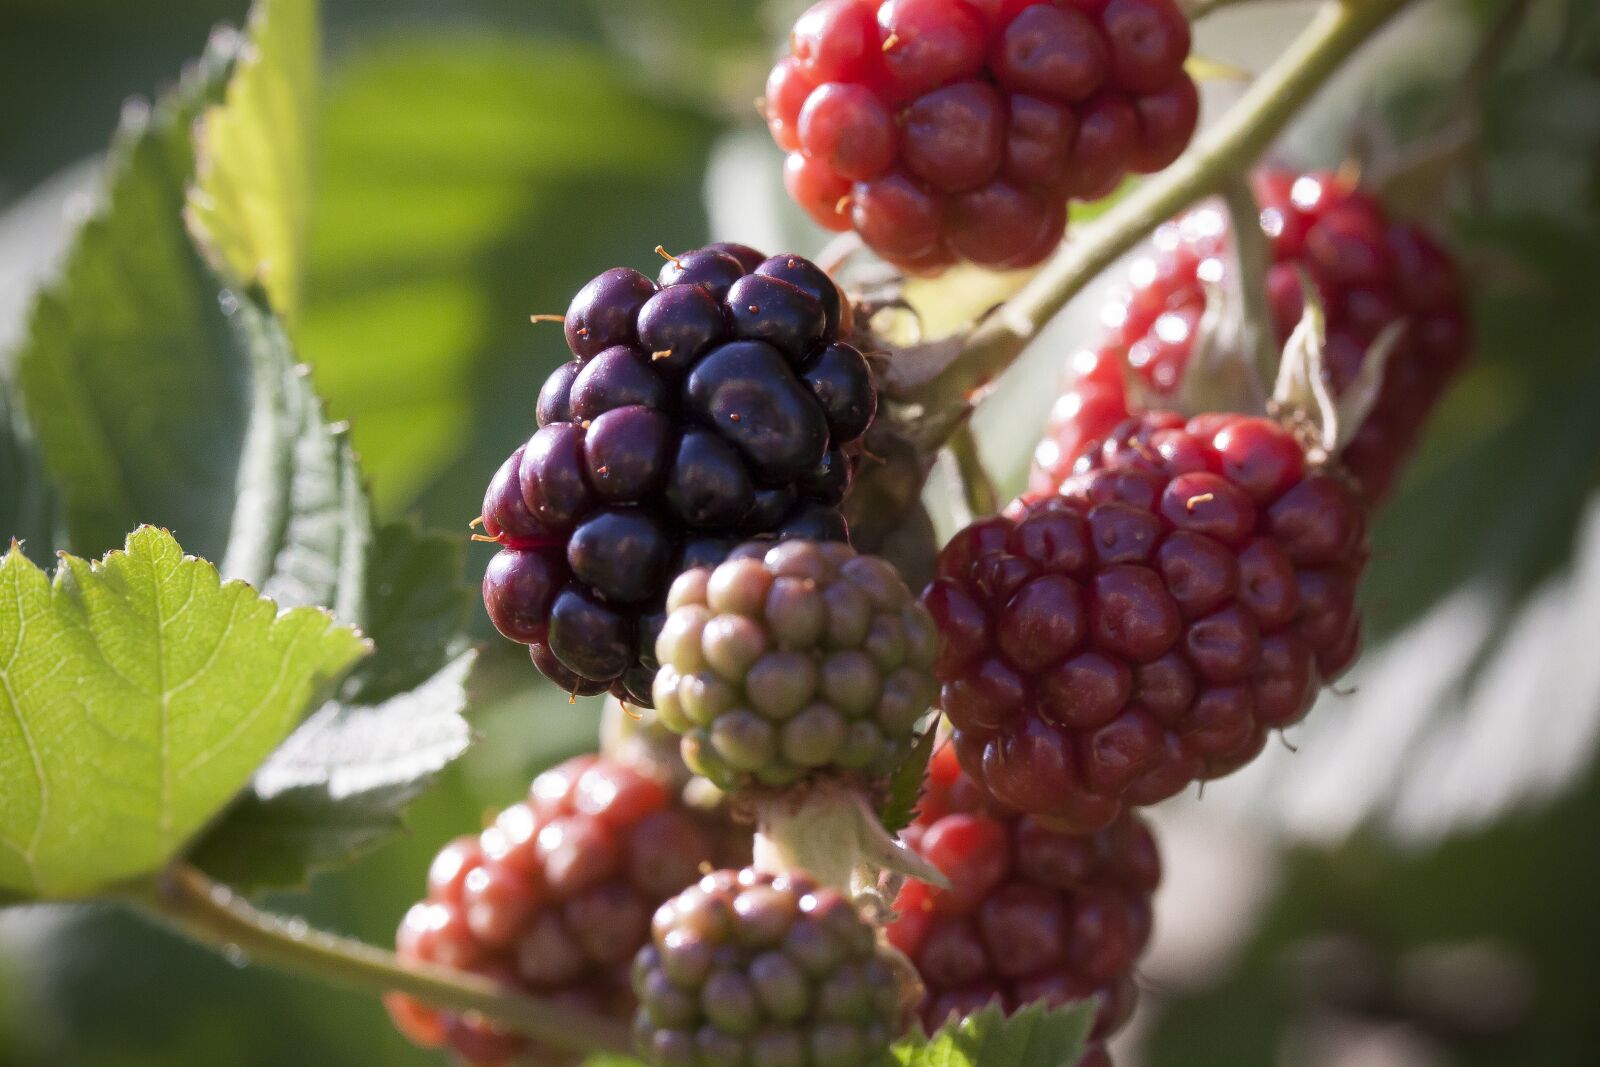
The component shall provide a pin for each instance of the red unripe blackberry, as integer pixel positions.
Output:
(1033, 913)
(765, 970)
(1370, 272)
(714, 407)
(945, 130)
(554, 898)
(1188, 590)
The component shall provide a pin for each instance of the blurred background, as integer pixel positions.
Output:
(1410, 880)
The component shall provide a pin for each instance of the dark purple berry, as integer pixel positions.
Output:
(505, 513)
(809, 278)
(782, 314)
(621, 553)
(747, 394)
(812, 521)
(838, 376)
(747, 257)
(616, 378)
(709, 485)
(678, 325)
(706, 267)
(555, 399)
(589, 638)
(627, 450)
(604, 311)
(769, 507)
(828, 481)
(518, 588)
(552, 476)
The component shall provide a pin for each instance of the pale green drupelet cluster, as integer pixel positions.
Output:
(792, 659)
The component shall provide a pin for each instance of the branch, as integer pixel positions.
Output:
(216, 916)
(1234, 142)
(976, 485)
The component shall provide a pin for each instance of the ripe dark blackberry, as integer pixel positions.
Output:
(1190, 589)
(1032, 913)
(555, 898)
(766, 970)
(792, 660)
(716, 406)
(945, 130)
(1369, 271)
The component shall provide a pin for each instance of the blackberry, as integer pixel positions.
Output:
(1032, 913)
(945, 130)
(1370, 271)
(555, 898)
(792, 660)
(765, 969)
(715, 406)
(1190, 589)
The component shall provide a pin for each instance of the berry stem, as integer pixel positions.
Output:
(1252, 255)
(214, 915)
(1237, 138)
(830, 832)
(976, 485)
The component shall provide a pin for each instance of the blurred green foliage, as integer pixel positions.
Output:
(476, 161)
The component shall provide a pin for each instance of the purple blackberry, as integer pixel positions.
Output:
(765, 969)
(715, 405)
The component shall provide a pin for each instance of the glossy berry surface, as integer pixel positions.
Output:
(1370, 272)
(946, 130)
(555, 898)
(764, 970)
(1033, 914)
(1189, 589)
(714, 405)
(792, 660)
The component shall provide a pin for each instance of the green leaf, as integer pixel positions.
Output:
(302, 523)
(336, 788)
(251, 198)
(1036, 1036)
(27, 507)
(139, 695)
(905, 786)
(450, 178)
(134, 379)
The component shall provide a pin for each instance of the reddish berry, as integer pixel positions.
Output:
(1370, 272)
(1037, 914)
(966, 124)
(1189, 589)
(555, 898)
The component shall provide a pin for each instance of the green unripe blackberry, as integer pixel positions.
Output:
(794, 659)
(766, 970)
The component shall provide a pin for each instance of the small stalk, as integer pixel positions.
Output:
(219, 918)
(976, 485)
(830, 832)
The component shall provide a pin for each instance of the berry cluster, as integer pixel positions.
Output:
(792, 659)
(555, 898)
(764, 969)
(1189, 590)
(1369, 272)
(715, 406)
(944, 130)
(1032, 914)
